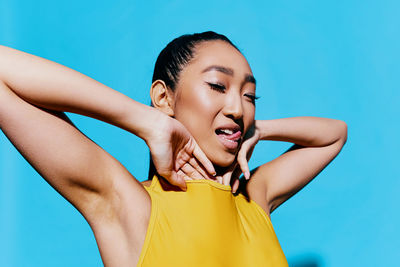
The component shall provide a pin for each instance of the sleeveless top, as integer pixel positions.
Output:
(207, 226)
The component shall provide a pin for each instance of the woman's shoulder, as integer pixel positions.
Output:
(254, 190)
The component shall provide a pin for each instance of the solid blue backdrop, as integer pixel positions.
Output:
(337, 59)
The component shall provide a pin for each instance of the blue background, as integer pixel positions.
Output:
(335, 59)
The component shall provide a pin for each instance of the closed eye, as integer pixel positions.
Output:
(217, 87)
(253, 98)
(221, 88)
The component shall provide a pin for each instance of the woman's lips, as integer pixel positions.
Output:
(230, 141)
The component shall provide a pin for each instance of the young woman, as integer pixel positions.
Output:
(200, 131)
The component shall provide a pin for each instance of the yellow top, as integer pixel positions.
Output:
(207, 226)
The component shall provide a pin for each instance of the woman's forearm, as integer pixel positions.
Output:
(52, 86)
(304, 131)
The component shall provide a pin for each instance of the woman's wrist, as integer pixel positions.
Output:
(146, 122)
(261, 128)
(305, 130)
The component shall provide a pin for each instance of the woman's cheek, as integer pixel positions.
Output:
(205, 99)
(249, 114)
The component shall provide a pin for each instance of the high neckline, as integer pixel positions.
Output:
(212, 183)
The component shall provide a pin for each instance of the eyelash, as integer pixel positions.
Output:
(221, 88)
(252, 97)
(217, 87)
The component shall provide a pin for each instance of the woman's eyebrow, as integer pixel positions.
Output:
(248, 77)
(222, 69)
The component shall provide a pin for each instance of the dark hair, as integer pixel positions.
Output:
(178, 53)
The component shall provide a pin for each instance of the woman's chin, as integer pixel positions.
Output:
(223, 162)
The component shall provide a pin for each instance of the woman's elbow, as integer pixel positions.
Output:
(342, 131)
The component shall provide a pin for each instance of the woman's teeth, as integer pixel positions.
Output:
(229, 134)
(226, 131)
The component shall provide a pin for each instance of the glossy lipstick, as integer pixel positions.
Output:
(229, 136)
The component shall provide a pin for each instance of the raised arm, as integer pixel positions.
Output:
(34, 93)
(317, 141)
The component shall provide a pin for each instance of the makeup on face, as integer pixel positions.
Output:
(215, 100)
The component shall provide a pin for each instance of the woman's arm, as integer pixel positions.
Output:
(316, 140)
(34, 92)
(52, 86)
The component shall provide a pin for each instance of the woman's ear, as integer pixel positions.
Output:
(162, 97)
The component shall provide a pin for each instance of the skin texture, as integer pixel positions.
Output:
(35, 93)
(194, 96)
(202, 108)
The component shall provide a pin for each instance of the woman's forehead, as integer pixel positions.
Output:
(216, 58)
(219, 53)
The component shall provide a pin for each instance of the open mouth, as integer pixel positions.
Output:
(229, 136)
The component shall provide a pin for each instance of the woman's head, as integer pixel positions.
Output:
(178, 53)
(204, 81)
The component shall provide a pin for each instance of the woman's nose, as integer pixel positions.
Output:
(233, 106)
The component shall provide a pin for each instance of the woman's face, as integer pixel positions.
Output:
(214, 100)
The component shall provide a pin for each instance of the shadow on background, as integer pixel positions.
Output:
(308, 260)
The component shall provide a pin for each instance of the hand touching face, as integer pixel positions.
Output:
(176, 155)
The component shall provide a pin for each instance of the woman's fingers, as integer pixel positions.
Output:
(189, 165)
(235, 186)
(244, 166)
(177, 157)
(182, 157)
(244, 155)
(242, 161)
(184, 176)
(191, 172)
(200, 170)
(246, 149)
(202, 158)
(235, 178)
(178, 179)
(192, 153)
(193, 163)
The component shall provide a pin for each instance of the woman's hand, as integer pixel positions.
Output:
(233, 173)
(250, 140)
(175, 153)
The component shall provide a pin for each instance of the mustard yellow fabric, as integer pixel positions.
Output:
(207, 226)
